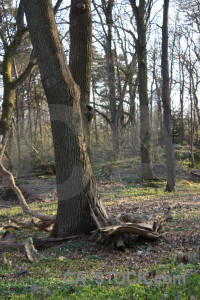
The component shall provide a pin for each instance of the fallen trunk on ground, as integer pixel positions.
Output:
(136, 229)
(116, 226)
(39, 244)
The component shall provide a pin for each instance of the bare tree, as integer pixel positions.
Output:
(11, 44)
(166, 103)
(142, 14)
(73, 168)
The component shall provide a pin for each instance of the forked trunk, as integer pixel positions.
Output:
(73, 169)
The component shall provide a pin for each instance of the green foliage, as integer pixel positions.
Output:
(90, 291)
(77, 256)
(183, 157)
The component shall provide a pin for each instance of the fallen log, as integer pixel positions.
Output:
(39, 244)
(136, 229)
(109, 225)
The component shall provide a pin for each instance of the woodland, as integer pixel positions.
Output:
(99, 149)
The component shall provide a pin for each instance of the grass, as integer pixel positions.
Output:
(84, 257)
(50, 274)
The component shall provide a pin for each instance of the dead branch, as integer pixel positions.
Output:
(136, 229)
(39, 244)
(22, 201)
(5, 206)
(116, 227)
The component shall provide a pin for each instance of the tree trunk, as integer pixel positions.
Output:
(110, 63)
(191, 116)
(80, 59)
(19, 168)
(145, 139)
(182, 86)
(95, 117)
(132, 94)
(110, 68)
(10, 85)
(73, 168)
(166, 103)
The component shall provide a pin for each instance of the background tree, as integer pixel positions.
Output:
(119, 66)
(11, 39)
(166, 103)
(142, 14)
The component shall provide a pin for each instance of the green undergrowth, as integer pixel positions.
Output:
(52, 275)
(150, 190)
(55, 273)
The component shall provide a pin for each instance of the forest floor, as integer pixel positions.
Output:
(168, 268)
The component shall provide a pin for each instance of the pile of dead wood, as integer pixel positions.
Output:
(117, 227)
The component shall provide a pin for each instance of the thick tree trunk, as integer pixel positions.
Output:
(166, 103)
(81, 47)
(73, 169)
(80, 59)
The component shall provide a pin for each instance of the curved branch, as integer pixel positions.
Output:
(22, 201)
(106, 118)
(15, 84)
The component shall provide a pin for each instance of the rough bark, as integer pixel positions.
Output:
(166, 103)
(73, 169)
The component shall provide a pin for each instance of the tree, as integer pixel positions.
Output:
(73, 168)
(80, 59)
(166, 103)
(142, 14)
(116, 73)
(10, 45)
